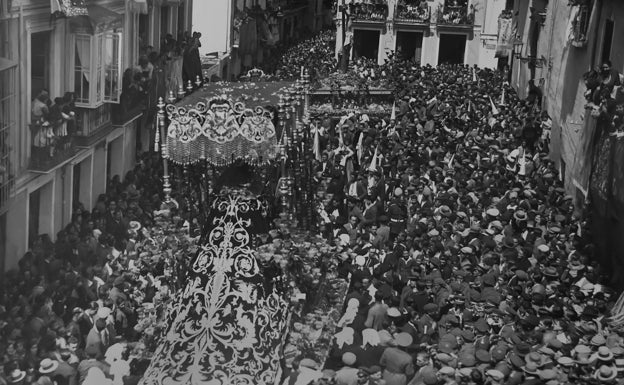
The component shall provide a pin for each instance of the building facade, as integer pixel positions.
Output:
(564, 41)
(42, 179)
(425, 31)
(260, 27)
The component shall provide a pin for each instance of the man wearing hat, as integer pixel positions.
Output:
(16, 377)
(397, 363)
(91, 361)
(98, 339)
(347, 375)
(397, 212)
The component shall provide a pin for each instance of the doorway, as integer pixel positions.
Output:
(607, 41)
(409, 45)
(34, 202)
(366, 43)
(143, 34)
(76, 186)
(181, 18)
(452, 48)
(40, 62)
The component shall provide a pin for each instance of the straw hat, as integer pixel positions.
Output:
(605, 373)
(530, 368)
(48, 366)
(16, 376)
(603, 354)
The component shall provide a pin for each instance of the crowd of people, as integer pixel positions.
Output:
(468, 262)
(456, 12)
(315, 53)
(84, 309)
(368, 10)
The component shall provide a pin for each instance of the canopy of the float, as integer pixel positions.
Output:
(223, 123)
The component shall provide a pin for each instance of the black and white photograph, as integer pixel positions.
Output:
(311, 192)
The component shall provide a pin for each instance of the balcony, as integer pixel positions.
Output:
(412, 12)
(51, 146)
(133, 100)
(92, 124)
(5, 8)
(287, 7)
(456, 14)
(368, 12)
(7, 179)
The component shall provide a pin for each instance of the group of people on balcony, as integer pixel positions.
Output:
(417, 10)
(53, 125)
(377, 10)
(456, 12)
(605, 94)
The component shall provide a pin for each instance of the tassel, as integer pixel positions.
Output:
(317, 145)
(360, 148)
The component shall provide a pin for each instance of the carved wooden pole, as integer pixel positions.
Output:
(160, 131)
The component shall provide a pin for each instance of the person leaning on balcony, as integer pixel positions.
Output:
(145, 68)
(40, 109)
(610, 77)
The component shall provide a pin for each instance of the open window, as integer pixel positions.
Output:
(97, 68)
(579, 20)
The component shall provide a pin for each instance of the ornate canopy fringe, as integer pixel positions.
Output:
(220, 132)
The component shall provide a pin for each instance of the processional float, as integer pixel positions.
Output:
(217, 131)
(227, 325)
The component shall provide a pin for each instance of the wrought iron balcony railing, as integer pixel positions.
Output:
(51, 145)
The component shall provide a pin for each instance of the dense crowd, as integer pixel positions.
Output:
(84, 309)
(315, 53)
(467, 260)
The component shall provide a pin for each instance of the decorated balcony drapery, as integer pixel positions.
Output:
(506, 34)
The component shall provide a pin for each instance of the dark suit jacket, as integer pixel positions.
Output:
(95, 339)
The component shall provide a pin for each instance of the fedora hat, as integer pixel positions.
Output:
(551, 271)
(48, 366)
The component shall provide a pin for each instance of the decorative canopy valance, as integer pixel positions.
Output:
(219, 131)
(98, 19)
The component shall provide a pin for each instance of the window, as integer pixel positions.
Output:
(97, 69)
(607, 41)
(8, 114)
(181, 24)
(164, 20)
(40, 62)
(143, 33)
(580, 23)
